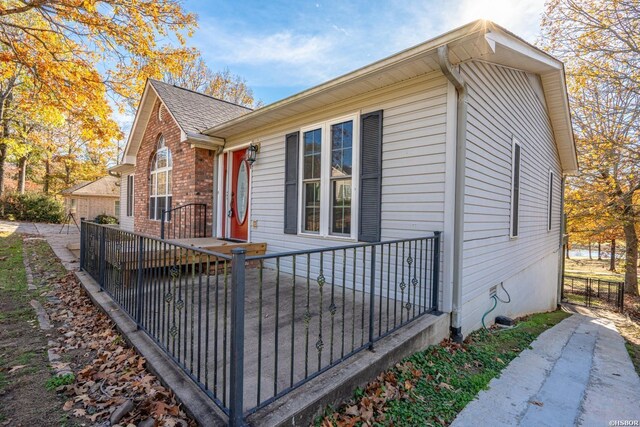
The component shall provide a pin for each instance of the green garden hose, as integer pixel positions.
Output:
(495, 304)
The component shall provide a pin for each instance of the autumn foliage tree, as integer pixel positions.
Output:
(72, 56)
(225, 85)
(600, 45)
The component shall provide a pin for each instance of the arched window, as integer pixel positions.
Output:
(160, 181)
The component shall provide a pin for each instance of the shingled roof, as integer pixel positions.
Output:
(195, 112)
(107, 186)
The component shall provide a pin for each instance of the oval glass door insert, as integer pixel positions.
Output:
(242, 192)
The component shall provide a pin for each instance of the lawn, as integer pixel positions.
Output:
(434, 385)
(24, 366)
(584, 267)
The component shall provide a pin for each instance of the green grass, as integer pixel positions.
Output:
(59, 380)
(13, 278)
(440, 380)
(25, 358)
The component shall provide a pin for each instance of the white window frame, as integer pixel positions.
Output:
(550, 200)
(325, 178)
(515, 202)
(168, 172)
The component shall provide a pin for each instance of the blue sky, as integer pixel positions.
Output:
(283, 47)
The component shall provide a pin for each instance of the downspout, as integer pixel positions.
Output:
(563, 243)
(458, 220)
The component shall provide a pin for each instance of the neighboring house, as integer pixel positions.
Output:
(468, 134)
(88, 199)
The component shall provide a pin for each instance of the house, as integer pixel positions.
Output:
(88, 199)
(475, 138)
(465, 139)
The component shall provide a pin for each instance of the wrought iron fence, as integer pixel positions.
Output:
(593, 292)
(249, 329)
(184, 222)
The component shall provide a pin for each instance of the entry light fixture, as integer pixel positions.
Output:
(252, 153)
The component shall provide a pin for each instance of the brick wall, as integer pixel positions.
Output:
(192, 175)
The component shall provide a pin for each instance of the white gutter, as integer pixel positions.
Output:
(211, 141)
(460, 168)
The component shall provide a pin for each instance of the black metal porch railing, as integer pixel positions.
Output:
(184, 222)
(593, 292)
(250, 329)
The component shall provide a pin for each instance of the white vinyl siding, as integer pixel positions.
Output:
(503, 105)
(126, 222)
(413, 166)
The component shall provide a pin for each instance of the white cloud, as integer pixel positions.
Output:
(292, 58)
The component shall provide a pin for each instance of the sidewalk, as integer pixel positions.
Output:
(577, 373)
(58, 236)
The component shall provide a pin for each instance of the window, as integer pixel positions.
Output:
(116, 208)
(129, 195)
(515, 188)
(341, 169)
(74, 205)
(327, 178)
(312, 162)
(160, 181)
(550, 203)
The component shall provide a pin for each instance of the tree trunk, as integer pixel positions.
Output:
(599, 251)
(47, 176)
(22, 174)
(3, 159)
(568, 248)
(590, 257)
(612, 261)
(631, 259)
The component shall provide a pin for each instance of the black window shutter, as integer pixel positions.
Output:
(129, 195)
(291, 183)
(370, 176)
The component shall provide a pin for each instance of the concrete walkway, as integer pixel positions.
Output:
(576, 373)
(58, 237)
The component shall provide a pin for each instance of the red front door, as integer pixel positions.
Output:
(238, 193)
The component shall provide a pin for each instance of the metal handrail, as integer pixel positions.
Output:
(201, 229)
(337, 248)
(160, 239)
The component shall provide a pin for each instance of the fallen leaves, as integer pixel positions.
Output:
(107, 371)
(371, 407)
(16, 368)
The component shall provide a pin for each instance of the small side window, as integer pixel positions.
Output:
(515, 188)
(130, 195)
(550, 202)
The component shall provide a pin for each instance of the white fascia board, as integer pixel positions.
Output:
(512, 43)
(136, 119)
(122, 168)
(205, 141)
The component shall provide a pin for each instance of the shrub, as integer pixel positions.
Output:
(34, 207)
(106, 219)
